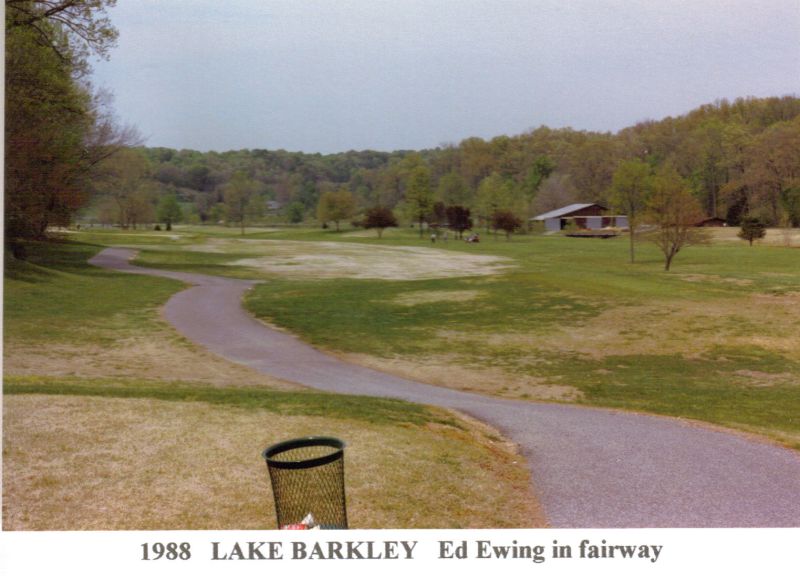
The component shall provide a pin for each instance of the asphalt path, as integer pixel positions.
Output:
(591, 468)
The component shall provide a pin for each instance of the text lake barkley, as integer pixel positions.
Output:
(302, 550)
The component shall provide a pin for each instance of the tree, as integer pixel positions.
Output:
(335, 206)
(241, 195)
(674, 211)
(458, 218)
(380, 218)
(168, 210)
(295, 212)
(630, 187)
(506, 221)
(752, 229)
(437, 215)
(123, 177)
(141, 205)
(72, 29)
(57, 132)
(790, 201)
(452, 189)
(46, 122)
(773, 166)
(540, 170)
(495, 193)
(419, 195)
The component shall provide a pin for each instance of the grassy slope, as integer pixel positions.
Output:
(56, 301)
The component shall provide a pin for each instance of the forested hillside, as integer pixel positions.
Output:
(738, 158)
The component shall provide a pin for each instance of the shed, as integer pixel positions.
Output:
(585, 217)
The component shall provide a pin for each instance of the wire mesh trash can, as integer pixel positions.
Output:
(307, 476)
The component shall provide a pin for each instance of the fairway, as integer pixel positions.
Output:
(536, 318)
(111, 421)
(716, 339)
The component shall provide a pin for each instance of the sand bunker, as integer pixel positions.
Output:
(345, 260)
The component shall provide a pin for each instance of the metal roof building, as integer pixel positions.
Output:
(585, 216)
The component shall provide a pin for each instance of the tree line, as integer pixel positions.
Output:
(735, 159)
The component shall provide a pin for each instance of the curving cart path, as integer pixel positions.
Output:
(592, 468)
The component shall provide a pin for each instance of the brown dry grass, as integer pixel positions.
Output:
(158, 354)
(432, 296)
(773, 237)
(662, 329)
(447, 370)
(84, 463)
(645, 329)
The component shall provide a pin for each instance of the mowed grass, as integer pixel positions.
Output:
(112, 421)
(716, 339)
(56, 296)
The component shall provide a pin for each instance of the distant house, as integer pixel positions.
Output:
(584, 217)
(273, 206)
(711, 222)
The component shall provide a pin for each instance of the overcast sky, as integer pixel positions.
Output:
(336, 75)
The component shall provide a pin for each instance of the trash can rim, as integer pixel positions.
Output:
(286, 445)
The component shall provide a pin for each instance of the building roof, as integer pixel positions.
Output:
(565, 211)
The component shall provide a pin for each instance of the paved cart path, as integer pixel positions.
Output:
(592, 468)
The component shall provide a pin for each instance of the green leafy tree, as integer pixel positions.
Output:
(630, 188)
(72, 29)
(790, 201)
(169, 210)
(295, 212)
(56, 131)
(124, 178)
(452, 189)
(241, 196)
(335, 206)
(495, 193)
(379, 218)
(753, 228)
(539, 171)
(419, 195)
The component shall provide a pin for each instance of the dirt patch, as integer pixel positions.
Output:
(434, 296)
(760, 379)
(447, 371)
(715, 278)
(345, 260)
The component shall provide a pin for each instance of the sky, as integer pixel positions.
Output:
(336, 75)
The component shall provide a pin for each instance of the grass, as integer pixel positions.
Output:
(139, 455)
(334, 406)
(716, 339)
(112, 421)
(55, 295)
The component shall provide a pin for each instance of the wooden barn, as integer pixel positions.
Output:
(584, 216)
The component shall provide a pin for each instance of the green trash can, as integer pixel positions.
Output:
(307, 476)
